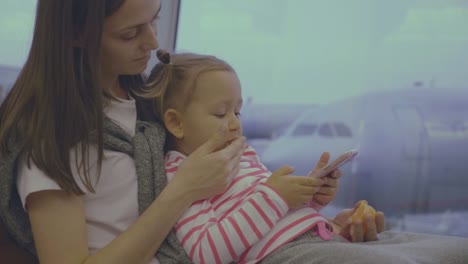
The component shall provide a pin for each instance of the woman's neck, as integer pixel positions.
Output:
(112, 85)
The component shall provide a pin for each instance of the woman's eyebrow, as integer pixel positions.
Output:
(137, 25)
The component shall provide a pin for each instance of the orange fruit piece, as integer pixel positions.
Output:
(361, 211)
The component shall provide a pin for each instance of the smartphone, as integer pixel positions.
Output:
(337, 163)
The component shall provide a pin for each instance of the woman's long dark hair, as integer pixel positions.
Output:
(57, 100)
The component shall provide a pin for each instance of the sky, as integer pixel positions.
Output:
(307, 51)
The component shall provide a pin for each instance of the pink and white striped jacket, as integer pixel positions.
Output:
(246, 222)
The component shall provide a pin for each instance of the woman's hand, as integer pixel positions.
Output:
(328, 191)
(210, 168)
(354, 230)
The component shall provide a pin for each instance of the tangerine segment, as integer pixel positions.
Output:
(361, 211)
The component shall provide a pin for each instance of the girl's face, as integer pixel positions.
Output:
(128, 37)
(216, 102)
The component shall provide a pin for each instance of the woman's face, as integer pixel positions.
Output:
(129, 35)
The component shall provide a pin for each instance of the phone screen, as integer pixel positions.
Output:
(337, 163)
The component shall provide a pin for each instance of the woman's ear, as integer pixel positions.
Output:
(173, 123)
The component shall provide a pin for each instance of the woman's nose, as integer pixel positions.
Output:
(150, 41)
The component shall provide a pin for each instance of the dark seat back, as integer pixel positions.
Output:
(10, 252)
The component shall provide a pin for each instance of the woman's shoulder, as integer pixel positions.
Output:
(32, 179)
(12, 215)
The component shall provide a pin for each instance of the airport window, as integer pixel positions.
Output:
(330, 55)
(354, 61)
(342, 130)
(305, 130)
(16, 25)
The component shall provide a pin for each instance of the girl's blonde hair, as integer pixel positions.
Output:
(172, 81)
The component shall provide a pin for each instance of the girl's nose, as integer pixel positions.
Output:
(234, 124)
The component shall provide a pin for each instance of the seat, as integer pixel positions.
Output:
(10, 252)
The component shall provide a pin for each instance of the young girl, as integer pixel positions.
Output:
(195, 96)
(261, 214)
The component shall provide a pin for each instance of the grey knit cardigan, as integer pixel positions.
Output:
(146, 148)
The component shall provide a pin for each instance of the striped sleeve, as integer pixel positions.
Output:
(209, 237)
(252, 154)
(210, 234)
(214, 233)
(315, 205)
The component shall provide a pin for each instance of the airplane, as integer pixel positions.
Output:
(261, 122)
(412, 142)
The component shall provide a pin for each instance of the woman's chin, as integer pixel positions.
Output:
(135, 71)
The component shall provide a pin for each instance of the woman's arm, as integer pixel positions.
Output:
(59, 228)
(58, 220)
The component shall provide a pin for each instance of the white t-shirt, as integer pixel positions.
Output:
(114, 206)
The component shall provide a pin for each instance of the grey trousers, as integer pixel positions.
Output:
(391, 248)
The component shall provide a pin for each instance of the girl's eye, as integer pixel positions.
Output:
(220, 115)
(238, 114)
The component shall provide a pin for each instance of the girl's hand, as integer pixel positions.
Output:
(328, 191)
(210, 168)
(354, 230)
(295, 190)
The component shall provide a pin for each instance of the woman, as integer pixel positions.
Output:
(74, 154)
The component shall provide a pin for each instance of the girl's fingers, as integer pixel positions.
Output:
(324, 158)
(357, 232)
(380, 221)
(331, 182)
(308, 181)
(371, 229)
(307, 190)
(327, 190)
